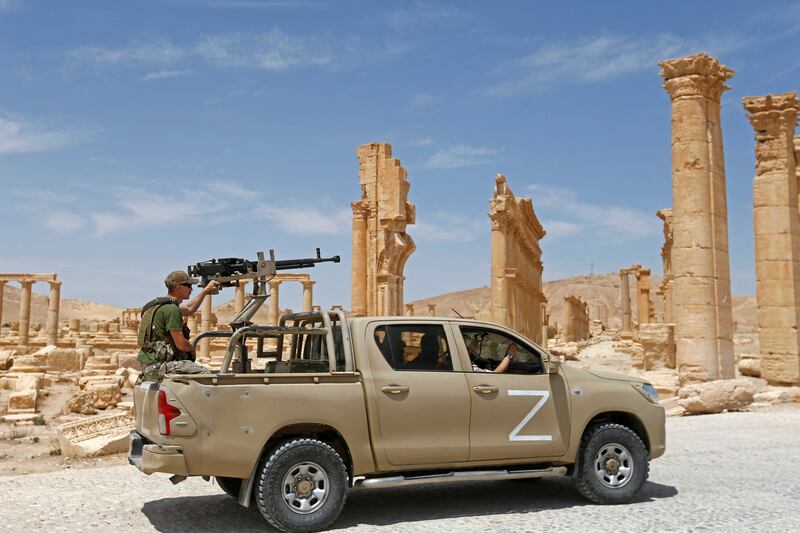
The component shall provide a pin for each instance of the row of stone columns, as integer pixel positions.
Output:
(54, 305)
(644, 304)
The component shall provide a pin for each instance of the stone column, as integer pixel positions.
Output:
(777, 235)
(545, 322)
(700, 264)
(625, 296)
(359, 268)
(75, 326)
(409, 309)
(25, 311)
(238, 303)
(192, 324)
(431, 309)
(2, 293)
(643, 293)
(274, 309)
(205, 325)
(308, 295)
(54, 304)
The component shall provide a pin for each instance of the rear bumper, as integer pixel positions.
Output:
(149, 457)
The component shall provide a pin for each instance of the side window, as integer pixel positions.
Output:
(487, 348)
(415, 347)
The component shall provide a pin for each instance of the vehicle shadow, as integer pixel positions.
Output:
(383, 507)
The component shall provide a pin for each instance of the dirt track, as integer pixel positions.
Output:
(729, 472)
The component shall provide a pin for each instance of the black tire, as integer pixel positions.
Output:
(316, 490)
(230, 485)
(612, 464)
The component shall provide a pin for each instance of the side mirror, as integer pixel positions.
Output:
(554, 365)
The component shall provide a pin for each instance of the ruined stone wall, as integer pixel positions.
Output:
(381, 245)
(700, 263)
(516, 285)
(665, 290)
(777, 235)
(576, 319)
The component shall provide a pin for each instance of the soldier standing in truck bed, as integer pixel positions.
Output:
(163, 335)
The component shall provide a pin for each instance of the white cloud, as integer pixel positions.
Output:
(19, 137)
(158, 51)
(308, 220)
(137, 209)
(460, 155)
(64, 222)
(602, 222)
(423, 141)
(603, 57)
(272, 50)
(161, 74)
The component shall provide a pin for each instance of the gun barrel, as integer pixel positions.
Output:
(309, 262)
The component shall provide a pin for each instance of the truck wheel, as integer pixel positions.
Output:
(302, 486)
(612, 464)
(230, 485)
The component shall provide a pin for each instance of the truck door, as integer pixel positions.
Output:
(422, 401)
(520, 413)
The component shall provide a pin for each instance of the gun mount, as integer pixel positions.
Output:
(230, 271)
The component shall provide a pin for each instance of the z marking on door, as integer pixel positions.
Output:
(514, 435)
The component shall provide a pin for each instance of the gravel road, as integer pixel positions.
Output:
(729, 472)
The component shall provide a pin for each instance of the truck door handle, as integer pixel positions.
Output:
(394, 389)
(484, 389)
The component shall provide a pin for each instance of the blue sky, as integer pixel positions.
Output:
(139, 137)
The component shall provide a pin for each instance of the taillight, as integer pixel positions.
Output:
(166, 413)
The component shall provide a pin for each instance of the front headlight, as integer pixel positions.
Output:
(647, 390)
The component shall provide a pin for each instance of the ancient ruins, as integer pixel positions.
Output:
(381, 245)
(777, 234)
(699, 259)
(517, 297)
(576, 319)
(666, 289)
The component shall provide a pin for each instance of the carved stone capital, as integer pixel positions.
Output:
(772, 114)
(696, 75)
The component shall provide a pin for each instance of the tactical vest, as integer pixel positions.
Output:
(156, 350)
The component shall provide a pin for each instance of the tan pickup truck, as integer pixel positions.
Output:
(323, 403)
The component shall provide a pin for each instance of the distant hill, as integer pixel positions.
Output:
(599, 291)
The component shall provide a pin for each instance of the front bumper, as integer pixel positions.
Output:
(149, 457)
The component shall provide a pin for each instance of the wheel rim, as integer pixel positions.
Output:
(613, 465)
(305, 487)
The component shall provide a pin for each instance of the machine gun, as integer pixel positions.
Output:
(229, 272)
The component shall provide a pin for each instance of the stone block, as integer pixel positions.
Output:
(695, 261)
(777, 317)
(693, 291)
(775, 395)
(775, 270)
(750, 365)
(125, 359)
(64, 360)
(692, 231)
(775, 246)
(95, 436)
(6, 359)
(779, 341)
(774, 294)
(767, 194)
(658, 343)
(82, 402)
(108, 395)
(28, 382)
(23, 401)
(717, 396)
(780, 369)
